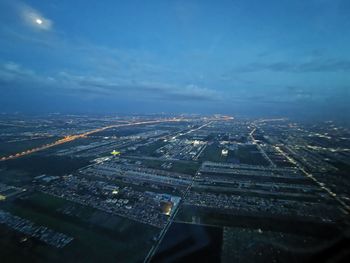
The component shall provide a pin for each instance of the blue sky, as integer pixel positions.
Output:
(277, 57)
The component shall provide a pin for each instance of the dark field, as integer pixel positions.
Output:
(190, 243)
(9, 148)
(248, 154)
(186, 167)
(37, 164)
(97, 236)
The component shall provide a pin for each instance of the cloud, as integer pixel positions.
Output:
(150, 90)
(325, 65)
(193, 92)
(99, 69)
(16, 76)
(34, 18)
(13, 72)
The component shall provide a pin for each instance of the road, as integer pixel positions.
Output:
(309, 175)
(70, 138)
(261, 150)
(155, 247)
(190, 131)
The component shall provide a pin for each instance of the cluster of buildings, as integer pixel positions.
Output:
(7, 191)
(182, 149)
(142, 206)
(132, 174)
(257, 190)
(42, 233)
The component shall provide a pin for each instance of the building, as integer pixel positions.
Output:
(166, 207)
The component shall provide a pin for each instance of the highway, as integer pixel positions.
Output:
(155, 247)
(190, 131)
(261, 150)
(70, 138)
(310, 176)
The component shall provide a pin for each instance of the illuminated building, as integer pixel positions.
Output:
(115, 153)
(224, 152)
(166, 207)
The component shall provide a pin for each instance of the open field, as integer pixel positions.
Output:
(97, 236)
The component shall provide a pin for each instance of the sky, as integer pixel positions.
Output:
(244, 57)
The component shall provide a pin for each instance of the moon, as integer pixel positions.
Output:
(38, 21)
(35, 19)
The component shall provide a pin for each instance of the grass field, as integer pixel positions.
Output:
(38, 163)
(269, 223)
(213, 153)
(186, 167)
(150, 150)
(248, 154)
